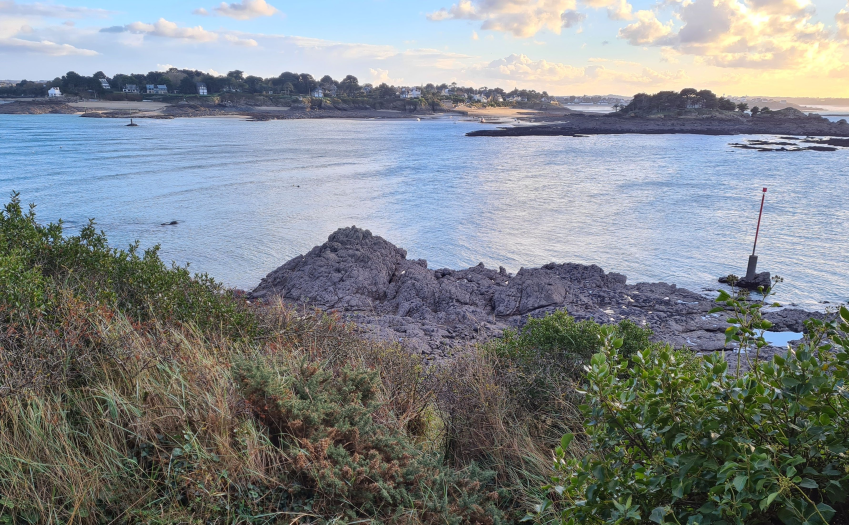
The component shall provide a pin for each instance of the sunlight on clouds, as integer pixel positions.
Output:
(244, 10)
(381, 76)
(521, 18)
(247, 42)
(166, 29)
(44, 47)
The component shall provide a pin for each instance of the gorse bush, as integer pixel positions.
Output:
(349, 465)
(678, 440)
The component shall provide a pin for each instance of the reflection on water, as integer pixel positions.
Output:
(250, 195)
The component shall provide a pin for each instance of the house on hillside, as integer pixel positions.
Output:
(413, 92)
(318, 93)
(201, 88)
(105, 84)
(480, 98)
(54, 92)
(131, 88)
(157, 89)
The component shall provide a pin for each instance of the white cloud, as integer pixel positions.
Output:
(521, 18)
(166, 29)
(380, 76)
(44, 47)
(842, 19)
(616, 9)
(341, 49)
(247, 42)
(244, 10)
(570, 17)
(12, 8)
(520, 67)
(475, 35)
(757, 34)
(646, 30)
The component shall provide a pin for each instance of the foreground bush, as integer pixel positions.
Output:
(131, 392)
(675, 439)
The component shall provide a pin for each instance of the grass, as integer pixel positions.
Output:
(133, 392)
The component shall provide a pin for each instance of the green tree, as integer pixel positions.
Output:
(188, 86)
(755, 110)
(742, 107)
(236, 75)
(349, 85)
(288, 88)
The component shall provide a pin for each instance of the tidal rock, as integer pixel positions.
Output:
(435, 312)
(762, 279)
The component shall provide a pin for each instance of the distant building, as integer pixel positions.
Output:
(411, 92)
(367, 89)
(201, 88)
(131, 88)
(480, 98)
(157, 89)
(318, 93)
(54, 92)
(105, 84)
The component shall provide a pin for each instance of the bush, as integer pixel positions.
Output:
(349, 465)
(678, 440)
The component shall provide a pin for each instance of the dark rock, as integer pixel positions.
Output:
(762, 279)
(172, 223)
(371, 282)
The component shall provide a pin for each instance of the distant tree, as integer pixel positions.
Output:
(288, 88)
(708, 99)
(326, 81)
(349, 85)
(188, 86)
(742, 107)
(99, 75)
(236, 75)
(253, 83)
(765, 110)
(725, 104)
(385, 90)
(755, 110)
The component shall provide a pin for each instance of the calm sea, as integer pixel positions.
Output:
(250, 195)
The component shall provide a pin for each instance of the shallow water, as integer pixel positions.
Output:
(250, 195)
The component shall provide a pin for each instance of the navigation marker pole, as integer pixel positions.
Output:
(753, 259)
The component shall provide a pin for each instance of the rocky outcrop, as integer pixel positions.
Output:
(371, 282)
(778, 123)
(36, 107)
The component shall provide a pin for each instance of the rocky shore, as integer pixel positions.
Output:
(437, 312)
(40, 107)
(787, 121)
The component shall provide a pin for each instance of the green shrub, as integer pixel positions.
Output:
(36, 261)
(548, 353)
(349, 465)
(671, 442)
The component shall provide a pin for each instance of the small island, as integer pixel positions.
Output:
(688, 111)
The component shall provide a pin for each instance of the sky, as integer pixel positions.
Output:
(566, 47)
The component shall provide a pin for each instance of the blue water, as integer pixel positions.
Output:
(250, 195)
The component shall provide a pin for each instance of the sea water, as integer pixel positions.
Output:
(248, 196)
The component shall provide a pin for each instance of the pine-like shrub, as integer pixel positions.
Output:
(349, 465)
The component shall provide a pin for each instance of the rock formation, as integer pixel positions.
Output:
(371, 282)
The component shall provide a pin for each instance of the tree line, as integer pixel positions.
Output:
(689, 98)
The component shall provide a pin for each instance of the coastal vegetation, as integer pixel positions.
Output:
(135, 392)
(678, 101)
(185, 82)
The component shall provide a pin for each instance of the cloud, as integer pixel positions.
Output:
(646, 30)
(521, 18)
(341, 49)
(842, 19)
(113, 29)
(244, 10)
(616, 9)
(247, 42)
(44, 47)
(752, 34)
(166, 29)
(520, 67)
(570, 17)
(380, 76)
(475, 35)
(12, 8)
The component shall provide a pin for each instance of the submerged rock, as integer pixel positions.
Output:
(372, 283)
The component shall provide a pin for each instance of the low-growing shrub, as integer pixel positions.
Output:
(678, 440)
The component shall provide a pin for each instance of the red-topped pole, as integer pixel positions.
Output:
(752, 270)
(758, 230)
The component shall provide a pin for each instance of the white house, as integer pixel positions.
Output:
(318, 92)
(54, 92)
(201, 88)
(411, 92)
(105, 84)
(131, 88)
(157, 90)
(480, 98)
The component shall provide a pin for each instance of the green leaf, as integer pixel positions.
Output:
(740, 482)
(566, 440)
(657, 514)
(808, 483)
